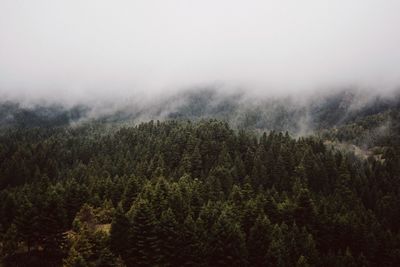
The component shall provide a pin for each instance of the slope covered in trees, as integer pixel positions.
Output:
(179, 193)
(300, 115)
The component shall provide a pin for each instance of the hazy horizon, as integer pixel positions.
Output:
(77, 51)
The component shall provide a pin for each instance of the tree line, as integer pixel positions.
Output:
(193, 194)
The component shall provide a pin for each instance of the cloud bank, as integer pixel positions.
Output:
(97, 50)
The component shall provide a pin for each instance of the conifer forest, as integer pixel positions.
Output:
(197, 193)
(199, 133)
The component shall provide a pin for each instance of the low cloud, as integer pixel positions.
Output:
(101, 51)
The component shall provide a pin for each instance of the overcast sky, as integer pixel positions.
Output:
(77, 49)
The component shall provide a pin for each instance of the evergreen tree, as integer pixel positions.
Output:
(167, 236)
(227, 245)
(106, 259)
(52, 222)
(277, 250)
(131, 191)
(26, 223)
(259, 240)
(302, 262)
(143, 242)
(305, 212)
(118, 234)
(10, 241)
(196, 163)
(74, 259)
(188, 247)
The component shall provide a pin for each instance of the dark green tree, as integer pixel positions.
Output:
(143, 242)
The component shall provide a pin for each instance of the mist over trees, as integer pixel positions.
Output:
(199, 133)
(200, 193)
(300, 114)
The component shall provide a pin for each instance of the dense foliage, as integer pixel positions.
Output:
(193, 194)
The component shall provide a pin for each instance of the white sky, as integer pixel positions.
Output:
(78, 49)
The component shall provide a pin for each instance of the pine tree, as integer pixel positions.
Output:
(118, 233)
(74, 259)
(185, 165)
(225, 178)
(10, 241)
(305, 211)
(75, 197)
(159, 196)
(302, 262)
(52, 222)
(227, 244)
(8, 208)
(143, 242)
(83, 244)
(167, 235)
(196, 163)
(26, 223)
(86, 215)
(259, 240)
(277, 250)
(343, 184)
(347, 260)
(188, 245)
(86, 245)
(280, 175)
(131, 191)
(106, 259)
(239, 171)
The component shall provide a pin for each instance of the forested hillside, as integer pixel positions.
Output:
(199, 133)
(298, 115)
(181, 193)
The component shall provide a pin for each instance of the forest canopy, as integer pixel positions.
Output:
(179, 193)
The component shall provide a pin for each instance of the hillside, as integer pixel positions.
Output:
(298, 116)
(194, 193)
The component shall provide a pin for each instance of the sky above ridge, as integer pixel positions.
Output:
(116, 49)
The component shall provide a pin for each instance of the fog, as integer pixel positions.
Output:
(135, 51)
